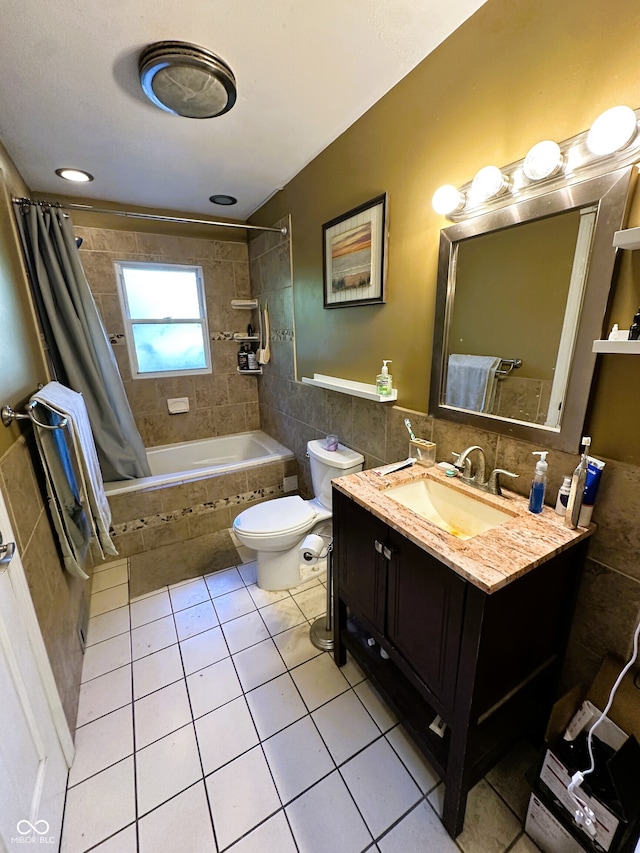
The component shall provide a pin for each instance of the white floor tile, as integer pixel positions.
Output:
(152, 637)
(183, 824)
(325, 819)
(233, 604)
(282, 615)
(244, 632)
(242, 794)
(109, 599)
(98, 807)
(489, 825)
(263, 597)
(112, 576)
(106, 656)
(275, 705)
(272, 836)
(248, 571)
(380, 785)
(376, 706)
(147, 594)
(420, 830)
(295, 646)
(352, 671)
(166, 767)
(413, 759)
(224, 734)
(187, 594)
(149, 609)
(125, 841)
(212, 687)
(345, 726)
(160, 713)
(319, 680)
(104, 694)
(195, 620)
(524, 845)
(112, 564)
(156, 670)
(108, 625)
(219, 583)
(203, 650)
(312, 602)
(298, 758)
(102, 743)
(258, 664)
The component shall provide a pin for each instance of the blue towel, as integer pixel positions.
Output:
(471, 382)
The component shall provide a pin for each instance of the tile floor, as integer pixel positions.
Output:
(208, 722)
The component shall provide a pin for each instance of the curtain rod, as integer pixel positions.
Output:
(156, 217)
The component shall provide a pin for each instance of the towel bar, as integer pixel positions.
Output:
(508, 364)
(9, 416)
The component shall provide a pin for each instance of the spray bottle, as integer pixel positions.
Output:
(539, 482)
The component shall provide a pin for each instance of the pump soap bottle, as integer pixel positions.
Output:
(384, 380)
(539, 482)
(577, 487)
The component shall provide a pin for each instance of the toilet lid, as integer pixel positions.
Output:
(278, 515)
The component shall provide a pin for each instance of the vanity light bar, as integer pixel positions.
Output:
(611, 142)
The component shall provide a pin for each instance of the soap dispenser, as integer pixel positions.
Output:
(384, 380)
(539, 482)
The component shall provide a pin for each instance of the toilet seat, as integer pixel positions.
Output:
(273, 518)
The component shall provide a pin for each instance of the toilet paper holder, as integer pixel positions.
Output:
(321, 631)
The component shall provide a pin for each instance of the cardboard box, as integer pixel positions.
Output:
(617, 815)
(547, 831)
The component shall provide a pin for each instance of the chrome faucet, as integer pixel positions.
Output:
(463, 464)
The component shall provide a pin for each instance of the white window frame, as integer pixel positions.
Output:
(129, 320)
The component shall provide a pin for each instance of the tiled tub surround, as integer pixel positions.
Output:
(222, 402)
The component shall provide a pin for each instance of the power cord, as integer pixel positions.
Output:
(584, 815)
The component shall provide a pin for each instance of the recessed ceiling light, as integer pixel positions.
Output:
(186, 80)
(222, 199)
(77, 175)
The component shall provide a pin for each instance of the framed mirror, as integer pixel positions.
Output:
(521, 295)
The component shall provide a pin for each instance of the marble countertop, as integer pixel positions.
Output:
(490, 560)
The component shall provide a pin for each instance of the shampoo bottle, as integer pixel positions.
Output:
(384, 380)
(539, 483)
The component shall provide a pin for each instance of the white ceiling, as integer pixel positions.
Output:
(305, 72)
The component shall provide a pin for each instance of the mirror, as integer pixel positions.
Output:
(522, 293)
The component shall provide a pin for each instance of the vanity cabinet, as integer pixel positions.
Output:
(486, 664)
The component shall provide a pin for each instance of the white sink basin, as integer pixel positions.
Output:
(455, 512)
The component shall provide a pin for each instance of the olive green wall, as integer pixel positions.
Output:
(513, 74)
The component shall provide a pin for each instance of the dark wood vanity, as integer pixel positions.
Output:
(482, 654)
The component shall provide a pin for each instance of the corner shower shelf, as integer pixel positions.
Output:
(628, 347)
(256, 372)
(241, 339)
(628, 238)
(244, 304)
(347, 386)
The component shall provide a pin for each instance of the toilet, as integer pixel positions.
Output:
(275, 529)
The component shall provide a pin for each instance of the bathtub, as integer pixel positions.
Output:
(172, 464)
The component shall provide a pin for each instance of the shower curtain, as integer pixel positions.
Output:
(80, 352)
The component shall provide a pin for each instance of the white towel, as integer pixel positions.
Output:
(471, 382)
(70, 405)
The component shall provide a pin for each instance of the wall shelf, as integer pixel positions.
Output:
(628, 347)
(240, 338)
(628, 238)
(244, 304)
(256, 372)
(347, 386)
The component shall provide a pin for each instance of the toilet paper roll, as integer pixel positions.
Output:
(311, 548)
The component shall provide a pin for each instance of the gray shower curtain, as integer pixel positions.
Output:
(80, 351)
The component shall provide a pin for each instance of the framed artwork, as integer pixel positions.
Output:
(354, 255)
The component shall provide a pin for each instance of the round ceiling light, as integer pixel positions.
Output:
(186, 80)
(488, 182)
(612, 130)
(221, 198)
(543, 160)
(77, 175)
(448, 199)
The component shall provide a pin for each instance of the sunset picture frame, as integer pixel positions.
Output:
(354, 255)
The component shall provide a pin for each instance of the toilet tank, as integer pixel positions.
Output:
(328, 464)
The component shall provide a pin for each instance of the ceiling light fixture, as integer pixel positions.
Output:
(613, 130)
(543, 160)
(448, 199)
(79, 176)
(221, 198)
(488, 182)
(186, 80)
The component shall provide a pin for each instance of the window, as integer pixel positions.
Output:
(165, 319)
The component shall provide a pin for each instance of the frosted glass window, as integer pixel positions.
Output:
(165, 318)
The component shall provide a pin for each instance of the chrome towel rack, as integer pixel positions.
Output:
(9, 416)
(507, 365)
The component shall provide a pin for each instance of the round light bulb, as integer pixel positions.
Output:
(447, 199)
(543, 160)
(76, 175)
(612, 130)
(488, 183)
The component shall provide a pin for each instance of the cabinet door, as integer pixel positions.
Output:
(360, 569)
(424, 616)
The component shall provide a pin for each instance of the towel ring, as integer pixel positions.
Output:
(9, 416)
